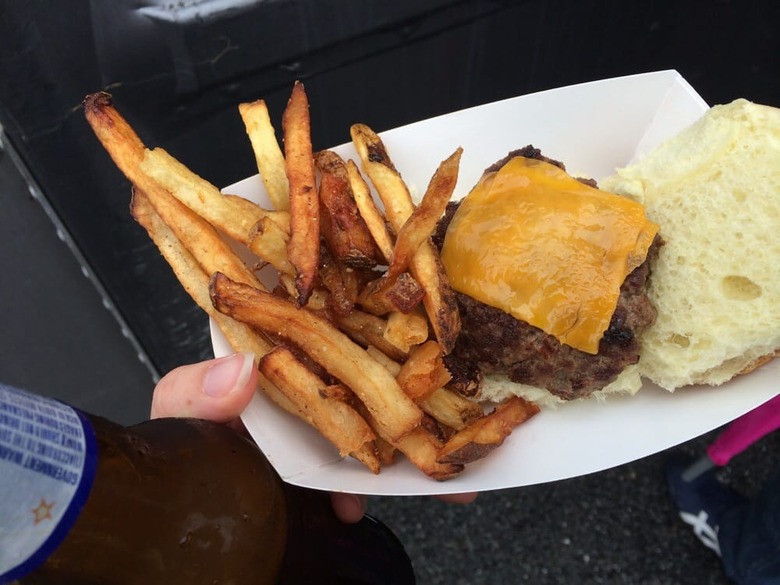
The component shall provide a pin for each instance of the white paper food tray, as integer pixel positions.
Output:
(593, 128)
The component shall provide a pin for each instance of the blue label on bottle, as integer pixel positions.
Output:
(48, 458)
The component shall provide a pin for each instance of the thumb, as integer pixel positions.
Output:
(216, 390)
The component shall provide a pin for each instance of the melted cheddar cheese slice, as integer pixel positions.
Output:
(547, 249)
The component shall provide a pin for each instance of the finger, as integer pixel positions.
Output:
(217, 390)
(349, 508)
(466, 498)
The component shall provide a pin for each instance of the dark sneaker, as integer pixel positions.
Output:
(700, 498)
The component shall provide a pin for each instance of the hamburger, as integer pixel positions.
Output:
(550, 275)
(698, 300)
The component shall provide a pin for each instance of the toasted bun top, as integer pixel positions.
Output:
(715, 191)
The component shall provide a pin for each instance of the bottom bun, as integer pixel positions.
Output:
(497, 388)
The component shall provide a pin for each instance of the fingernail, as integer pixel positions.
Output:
(228, 374)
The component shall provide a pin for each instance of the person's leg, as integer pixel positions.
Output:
(700, 498)
(749, 537)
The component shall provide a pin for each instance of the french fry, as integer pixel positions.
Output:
(238, 218)
(394, 412)
(405, 330)
(198, 237)
(479, 438)
(243, 205)
(420, 446)
(422, 449)
(421, 224)
(370, 453)
(268, 154)
(380, 296)
(303, 249)
(450, 408)
(335, 419)
(129, 154)
(425, 266)
(369, 329)
(192, 276)
(319, 301)
(424, 371)
(352, 280)
(390, 365)
(116, 136)
(385, 451)
(422, 377)
(375, 221)
(233, 217)
(269, 242)
(342, 300)
(444, 405)
(345, 232)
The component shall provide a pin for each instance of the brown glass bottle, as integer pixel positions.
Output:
(190, 501)
(174, 500)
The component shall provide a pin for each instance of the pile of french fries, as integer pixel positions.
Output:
(351, 339)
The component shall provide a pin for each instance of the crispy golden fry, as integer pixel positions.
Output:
(425, 266)
(444, 405)
(405, 330)
(375, 221)
(268, 154)
(342, 299)
(450, 409)
(482, 436)
(367, 329)
(422, 449)
(194, 233)
(129, 153)
(420, 446)
(188, 271)
(269, 242)
(345, 233)
(424, 371)
(338, 422)
(117, 136)
(303, 249)
(233, 215)
(337, 392)
(192, 276)
(369, 453)
(281, 219)
(395, 413)
(381, 296)
(352, 280)
(385, 451)
(390, 365)
(421, 224)
(229, 214)
(319, 301)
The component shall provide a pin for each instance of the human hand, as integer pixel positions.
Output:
(219, 390)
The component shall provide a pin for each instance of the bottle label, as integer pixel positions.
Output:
(48, 458)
